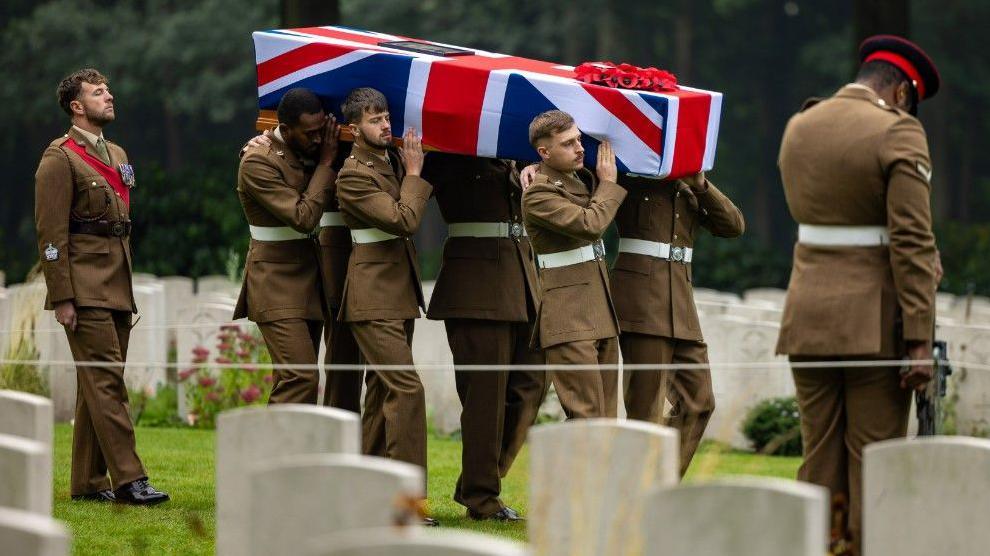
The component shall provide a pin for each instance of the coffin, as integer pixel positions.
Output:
(470, 101)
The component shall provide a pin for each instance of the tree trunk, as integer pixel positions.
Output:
(605, 45)
(308, 13)
(875, 17)
(683, 35)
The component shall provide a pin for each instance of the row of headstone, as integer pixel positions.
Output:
(26, 525)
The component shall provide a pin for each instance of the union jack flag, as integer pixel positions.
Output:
(481, 103)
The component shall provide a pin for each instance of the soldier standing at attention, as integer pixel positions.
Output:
(654, 298)
(487, 293)
(82, 207)
(383, 202)
(283, 188)
(566, 212)
(856, 174)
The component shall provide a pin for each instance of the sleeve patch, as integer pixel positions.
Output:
(51, 253)
(925, 172)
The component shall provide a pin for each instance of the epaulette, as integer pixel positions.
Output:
(58, 142)
(541, 179)
(810, 102)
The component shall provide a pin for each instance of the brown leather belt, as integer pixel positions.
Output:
(101, 228)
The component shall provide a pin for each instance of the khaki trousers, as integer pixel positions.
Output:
(343, 389)
(688, 391)
(293, 342)
(843, 410)
(394, 420)
(103, 436)
(586, 394)
(498, 407)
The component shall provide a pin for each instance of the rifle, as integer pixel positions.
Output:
(929, 400)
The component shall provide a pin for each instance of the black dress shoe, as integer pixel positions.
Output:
(99, 496)
(505, 514)
(430, 522)
(140, 493)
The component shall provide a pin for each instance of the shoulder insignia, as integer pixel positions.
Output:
(51, 252)
(810, 102)
(925, 172)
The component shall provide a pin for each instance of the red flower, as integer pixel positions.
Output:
(244, 353)
(200, 351)
(625, 76)
(213, 396)
(207, 381)
(245, 337)
(224, 346)
(268, 379)
(183, 375)
(223, 360)
(230, 327)
(251, 394)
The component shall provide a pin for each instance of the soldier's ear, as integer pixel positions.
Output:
(77, 107)
(354, 130)
(543, 151)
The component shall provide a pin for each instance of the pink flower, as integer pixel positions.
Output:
(230, 327)
(245, 337)
(223, 346)
(200, 351)
(213, 396)
(244, 353)
(250, 394)
(184, 375)
(207, 381)
(223, 360)
(268, 379)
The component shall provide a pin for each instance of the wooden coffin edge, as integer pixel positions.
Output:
(267, 119)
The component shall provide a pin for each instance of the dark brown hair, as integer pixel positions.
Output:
(546, 124)
(70, 87)
(362, 100)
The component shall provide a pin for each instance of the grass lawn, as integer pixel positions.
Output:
(180, 462)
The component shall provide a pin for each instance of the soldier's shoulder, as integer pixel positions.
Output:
(263, 154)
(117, 149)
(59, 141)
(810, 103)
(543, 181)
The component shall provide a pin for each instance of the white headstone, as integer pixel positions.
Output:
(740, 516)
(430, 347)
(926, 496)
(148, 340)
(200, 318)
(29, 534)
(732, 339)
(4, 322)
(586, 481)
(26, 416)
(413, 541)
(253, 435)
(774, 296)
(316, 494)
(25, 474)
(217, 284)
(970, 386)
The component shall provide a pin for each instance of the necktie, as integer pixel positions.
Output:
(101, 148)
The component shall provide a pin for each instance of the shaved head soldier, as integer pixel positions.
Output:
(856, 174)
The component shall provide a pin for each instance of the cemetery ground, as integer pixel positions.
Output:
(180, 462)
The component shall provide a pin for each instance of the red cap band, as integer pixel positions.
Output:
(902, 64)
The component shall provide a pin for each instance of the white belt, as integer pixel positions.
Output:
(848, 236)
(370, 235)
(275, 233)
(656, 249)
(330, 219)
(572, 256)
(485, 229)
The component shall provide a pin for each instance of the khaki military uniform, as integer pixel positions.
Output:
(654, 301)
(83, 239)
(382, 297)
(576, 323)
(487, 293)
(282, 290)
(851, 160)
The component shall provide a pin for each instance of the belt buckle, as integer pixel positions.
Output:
(117, 229)
(516, 230)
(677, 254)
(599, 248)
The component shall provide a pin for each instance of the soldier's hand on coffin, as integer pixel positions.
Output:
(260, 140)
(65, 314)
(329, 142)
(938, 267)
(606, 162)
(697, 182)
(527, 175)
(918, 374)
(412, 153)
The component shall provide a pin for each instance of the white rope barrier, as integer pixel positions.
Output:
(436, 367)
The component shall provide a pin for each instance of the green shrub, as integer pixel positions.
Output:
(774, 427)
(23, 377)
(155, 409)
